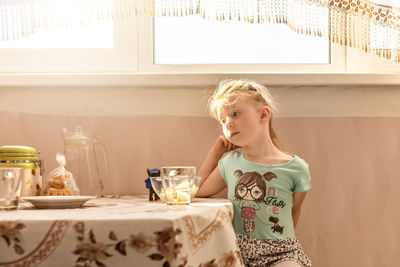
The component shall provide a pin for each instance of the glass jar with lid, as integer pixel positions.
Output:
(29, 159)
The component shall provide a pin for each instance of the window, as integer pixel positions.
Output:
(192, 40)
(188, 58)
(96, 35)
(358, 61)
(146, 51)
(105, 46)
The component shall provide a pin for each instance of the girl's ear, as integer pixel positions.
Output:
(265, 113)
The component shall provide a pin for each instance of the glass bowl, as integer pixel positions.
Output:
(178, 171)
(156, 183)
(196, 186)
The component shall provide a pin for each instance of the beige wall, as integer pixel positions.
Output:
(295, 101)
(349, 136)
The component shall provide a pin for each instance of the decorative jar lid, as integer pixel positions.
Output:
(24, 152)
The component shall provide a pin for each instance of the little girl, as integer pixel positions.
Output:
(265, 185)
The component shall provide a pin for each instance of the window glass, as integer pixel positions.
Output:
(101, 46)
(193, 40)
(96, 35)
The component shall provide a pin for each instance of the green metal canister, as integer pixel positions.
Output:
(29, 159)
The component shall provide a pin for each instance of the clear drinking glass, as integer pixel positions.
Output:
(10, 187)
(177, 183)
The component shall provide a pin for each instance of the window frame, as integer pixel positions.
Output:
(146, 73)
(42, 61)
(147, 66)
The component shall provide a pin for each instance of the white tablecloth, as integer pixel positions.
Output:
(123, 231)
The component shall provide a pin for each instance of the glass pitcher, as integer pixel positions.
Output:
(82, 152)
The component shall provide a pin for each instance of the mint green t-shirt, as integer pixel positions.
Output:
(261, 194)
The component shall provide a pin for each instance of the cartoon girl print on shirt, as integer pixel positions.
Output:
(250, 189)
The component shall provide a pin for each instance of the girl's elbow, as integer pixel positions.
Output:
(202, 193)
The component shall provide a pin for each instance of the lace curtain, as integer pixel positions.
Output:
(373, 26)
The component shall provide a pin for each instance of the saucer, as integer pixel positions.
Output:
(57, 202)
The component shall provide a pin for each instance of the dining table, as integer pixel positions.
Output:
(121, 231)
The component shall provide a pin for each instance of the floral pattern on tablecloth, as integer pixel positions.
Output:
(161, 246)
(199, 238)
(50, 241)
(128, 231)
(10, 232)
(89, 251)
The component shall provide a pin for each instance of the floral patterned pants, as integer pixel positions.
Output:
(267, 253)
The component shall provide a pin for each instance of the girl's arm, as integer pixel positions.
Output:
(212, 181)
(213, 185)
(298, 198)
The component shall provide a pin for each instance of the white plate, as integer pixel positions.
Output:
(57, 202)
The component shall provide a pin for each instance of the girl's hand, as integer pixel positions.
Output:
(212, 181)
(223, 145)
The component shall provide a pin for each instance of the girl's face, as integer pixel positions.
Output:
(241, 122)
(251, 192)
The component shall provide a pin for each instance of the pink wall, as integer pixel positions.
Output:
(350, 216)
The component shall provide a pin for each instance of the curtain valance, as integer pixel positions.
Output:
(373, 26)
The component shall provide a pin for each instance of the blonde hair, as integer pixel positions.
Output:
(229, 91)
